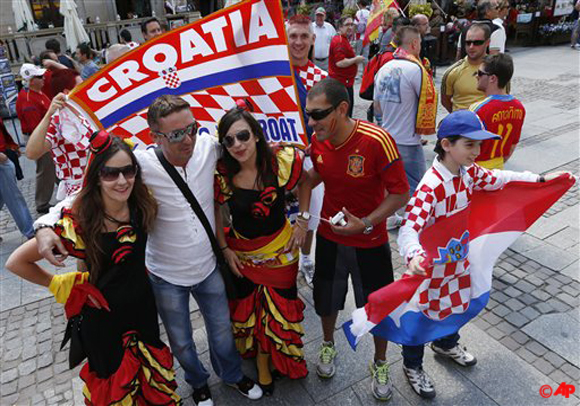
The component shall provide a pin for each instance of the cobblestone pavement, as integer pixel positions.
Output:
(526, 337)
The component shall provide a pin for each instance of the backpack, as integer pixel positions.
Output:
(367, 86)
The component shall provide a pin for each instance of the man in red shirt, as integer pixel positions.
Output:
(31, 106)
(501, 113)
(342, 61)
(363, 177)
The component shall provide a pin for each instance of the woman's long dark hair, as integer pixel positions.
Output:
(88, 208)
(264, 155)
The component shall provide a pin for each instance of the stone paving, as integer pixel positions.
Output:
(526, 337)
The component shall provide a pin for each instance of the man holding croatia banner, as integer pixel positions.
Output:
(457, 223)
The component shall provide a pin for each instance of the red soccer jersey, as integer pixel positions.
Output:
(31, 107)
(503, 115)
(340, 49)
(356, 175)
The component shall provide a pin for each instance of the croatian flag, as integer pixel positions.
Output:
(461, 252)
(240, 52)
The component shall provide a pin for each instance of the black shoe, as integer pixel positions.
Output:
(248, 388)
(202, 396)
(43, 210)
(267, 390)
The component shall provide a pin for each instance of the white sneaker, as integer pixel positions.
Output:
(248, 388)
(325, 368)
(382, 386)
(202, 396)
(420, 382)
(394, 222)
(457, 354)
(307, 268)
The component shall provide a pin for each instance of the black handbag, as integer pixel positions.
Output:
(225, 270)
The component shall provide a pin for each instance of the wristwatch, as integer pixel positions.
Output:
(368, 226)
(305, 215)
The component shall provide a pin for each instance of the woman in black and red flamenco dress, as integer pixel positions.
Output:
(111, 308)
(261, 246)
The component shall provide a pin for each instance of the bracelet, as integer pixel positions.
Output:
(40, 227)
(225, 247)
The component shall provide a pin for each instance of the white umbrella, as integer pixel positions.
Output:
(74, 31)
(23, 15)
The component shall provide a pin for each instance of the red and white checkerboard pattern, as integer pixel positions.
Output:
(310, 74)
(272, 97)
(70, 159)
(447, 292)
(435, 198)
(171, 78)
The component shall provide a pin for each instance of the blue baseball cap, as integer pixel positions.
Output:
(465, 123)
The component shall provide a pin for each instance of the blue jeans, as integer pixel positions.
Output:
(173, 307)
(10, 194)
(413, 354)
(414, 163)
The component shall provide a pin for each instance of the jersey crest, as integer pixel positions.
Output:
(356, 166)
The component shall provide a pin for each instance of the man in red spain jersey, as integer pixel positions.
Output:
(501, 113)
(363, 178)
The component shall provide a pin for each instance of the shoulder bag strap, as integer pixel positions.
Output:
(187, 193)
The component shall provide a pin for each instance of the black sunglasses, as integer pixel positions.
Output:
(230, 140)
(109, 173)
(477, 42)
(178, 135)
(481, 73)
(318, 115)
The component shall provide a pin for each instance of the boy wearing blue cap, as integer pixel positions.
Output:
(445, 190)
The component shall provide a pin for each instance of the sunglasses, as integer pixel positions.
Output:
(318, 115)
(110, 174)
(481, 73)
(176, 136)
(477, 42)
(230, 140)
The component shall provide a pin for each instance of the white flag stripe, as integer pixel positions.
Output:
(274, 53)
(135, 125)
(483, 252)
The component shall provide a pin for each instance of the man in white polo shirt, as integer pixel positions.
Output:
(323, 32)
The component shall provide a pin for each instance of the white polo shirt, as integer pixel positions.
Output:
(324, 35)
(178, 248)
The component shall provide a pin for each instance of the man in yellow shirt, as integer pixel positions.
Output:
(459, 83)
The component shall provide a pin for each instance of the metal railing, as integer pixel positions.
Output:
(23, 46)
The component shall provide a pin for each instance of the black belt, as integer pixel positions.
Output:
(321, 59)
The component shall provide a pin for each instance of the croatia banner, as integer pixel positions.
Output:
(375, 19)
(240, 52)
(461, 251)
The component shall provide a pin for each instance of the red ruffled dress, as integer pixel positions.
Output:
(267, 309)
(128, 364)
